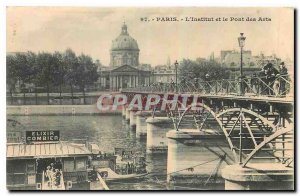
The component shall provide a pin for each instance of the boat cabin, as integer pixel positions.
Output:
(129, 162)
(27, 162)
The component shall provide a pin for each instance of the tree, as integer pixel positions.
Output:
(44, 62)
(189, 69)
(22, 71)
(11, 76)
(50, 70)
(86, 73)
(70, 62)
(31, 61)
(59, 72)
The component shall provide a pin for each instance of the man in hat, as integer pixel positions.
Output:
(283, 77)
(262, 77)
(270, 72)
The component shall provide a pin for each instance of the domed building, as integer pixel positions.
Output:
(124, 50)
(124, 70)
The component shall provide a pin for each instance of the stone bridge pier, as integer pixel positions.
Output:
(141, 125)
(127, 114)
(132, 119)
(196, 158)
(124, 111)
(258, 176)
(157, 128)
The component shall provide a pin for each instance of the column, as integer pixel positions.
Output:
(111, 82)
(127, 115)
(132, 121)
(133, 83)
(189, 147)
(123, 111)
(118, 83)
(157, 128)
(259, 176)
(121, 81)
(102, 82)
(141, 125)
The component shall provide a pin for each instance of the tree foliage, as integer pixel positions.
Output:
(87, 71)
(190, 69)
(50, 69)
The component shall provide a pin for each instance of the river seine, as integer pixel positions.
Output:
(108, 132)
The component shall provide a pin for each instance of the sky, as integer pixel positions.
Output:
(90, 30)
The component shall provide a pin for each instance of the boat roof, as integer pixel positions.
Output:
(45, 150)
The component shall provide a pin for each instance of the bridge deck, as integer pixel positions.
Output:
(246, 97)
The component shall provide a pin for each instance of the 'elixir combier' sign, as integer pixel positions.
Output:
(42, 136)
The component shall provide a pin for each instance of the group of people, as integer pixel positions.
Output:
(269, 81)
(53, 175)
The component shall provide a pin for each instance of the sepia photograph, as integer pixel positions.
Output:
(150, 98)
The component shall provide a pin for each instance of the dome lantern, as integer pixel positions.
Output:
(124, 41)
(124, 29)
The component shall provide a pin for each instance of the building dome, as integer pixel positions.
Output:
(124, 41)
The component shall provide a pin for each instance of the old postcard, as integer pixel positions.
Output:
(157, 98)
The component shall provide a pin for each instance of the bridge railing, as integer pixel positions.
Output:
(276, 86)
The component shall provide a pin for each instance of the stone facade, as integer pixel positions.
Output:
(164, 73)
(231, 59)
(124, 69)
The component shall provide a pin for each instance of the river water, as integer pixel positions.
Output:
(109, 132)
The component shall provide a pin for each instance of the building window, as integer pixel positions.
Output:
(19, 168)
(69, 165)
(19, 179)
(30, 168)
(80, 164)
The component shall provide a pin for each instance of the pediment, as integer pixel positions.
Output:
(125, 68)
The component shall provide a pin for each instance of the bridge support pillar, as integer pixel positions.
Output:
(196, 158)
(123, 111)
(157, 127)
(141, 125)
(258, 176)
(127, 114)
(132, 119)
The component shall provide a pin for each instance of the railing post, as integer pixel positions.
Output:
(241, 138)
(224, 86)
(227, 87)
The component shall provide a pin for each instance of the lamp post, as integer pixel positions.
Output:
(152, 79)
(241, 40)
(176, 67)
